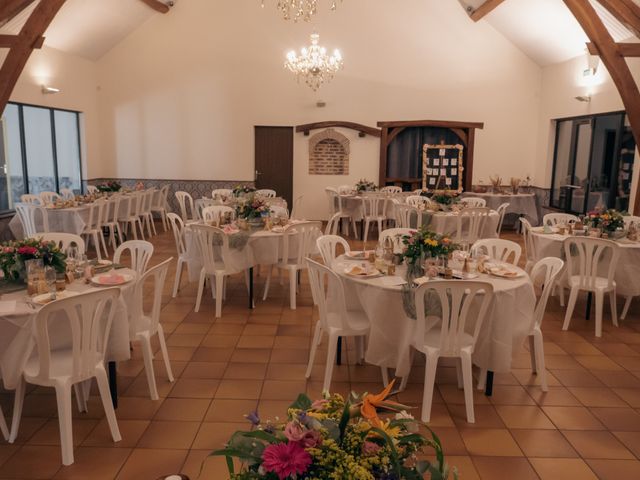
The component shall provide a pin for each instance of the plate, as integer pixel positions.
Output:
(110, 279)
(361, 272)
(505, 273)
(45, 298)
(460, 275)
(358, 254)
(104, 263)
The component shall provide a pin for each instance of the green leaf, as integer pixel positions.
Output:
(344, 420)
(392, 448)
(302, 402)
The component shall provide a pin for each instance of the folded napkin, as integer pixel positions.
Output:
(7, 307)
(229, 229)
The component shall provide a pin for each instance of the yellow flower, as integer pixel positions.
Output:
(392, 432)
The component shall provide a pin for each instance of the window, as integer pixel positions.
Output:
(39, 151)
(593, 163)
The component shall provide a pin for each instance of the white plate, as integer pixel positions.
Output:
(358, 254)
(45, 298)
(98, 280)
(372, 274)
(500, 273)
(104, 263)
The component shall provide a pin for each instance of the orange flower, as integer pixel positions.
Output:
(370, 403)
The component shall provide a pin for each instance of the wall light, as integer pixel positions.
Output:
(49, 90)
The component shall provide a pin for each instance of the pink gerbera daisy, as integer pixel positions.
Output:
(285, 459)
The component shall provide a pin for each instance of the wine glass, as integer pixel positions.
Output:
(72, 256)
(81, 264)
(50, 280)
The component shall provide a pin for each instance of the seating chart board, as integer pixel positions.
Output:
(442, 168)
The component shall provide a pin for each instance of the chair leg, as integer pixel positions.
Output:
(429, 382)
(18, 402)
(219, 287)
(63, 398)
(203, 276)
(165, 353)
(107, 403)
(573, 297)
(331, 358)
(96, 243)
(625, 309)
(3, 425)
(599, 308)
(176, 282)
(539, 351)
(532, 354)
(465, 360)
(355, 230)
(482, 379)
(147, 355)
(561, 294)
(292, 288)
(81, 400)
(366, 231)
(103, 244)
(267, 283)
(314, 348)
(459, 373)
(614, 307)
(385, 376)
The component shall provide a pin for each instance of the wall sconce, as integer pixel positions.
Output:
(49, 90)
(583, 98)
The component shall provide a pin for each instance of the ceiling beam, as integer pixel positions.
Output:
(157, 5)
(624, 49)
(11, 8)
(31, 32)
(626, 12)
(485, 9)
(617, 66)
(9, 41)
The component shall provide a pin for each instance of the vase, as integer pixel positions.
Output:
(414, 270)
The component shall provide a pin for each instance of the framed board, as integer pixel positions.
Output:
(442, 168)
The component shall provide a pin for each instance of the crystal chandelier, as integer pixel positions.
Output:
(313, 64)
(300, 9)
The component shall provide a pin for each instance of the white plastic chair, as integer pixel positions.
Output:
(64, 241)
(396, 235)
(627, 219)
(93, 227)
(27, 215)
(297, 208)
(529, 244)
(185, 201)
(417, 200)
(474, 202)
(404, 215)
(328, 247)
(92, 189)
(586, 258)
(146, 215)
(498, 249)
(293, 259)
(30, 199)
(333, 224)
(221, 192)
(449, 339)
(374, 209)
(49, 197)
(177, 227)
(553, 219)
(335, 206)
(129, 214)
(502, 210)
(215, 212)
(146, 325)
(159, 204)
(266, 192)
(67, 193)
(4, 429)
(140, 252)
(393, 189)
(471, 222)
(110, 221)
(346, 189)
(89, 316)
(334, 319)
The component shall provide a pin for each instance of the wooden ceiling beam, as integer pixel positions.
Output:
(9, 41)
(617, 66)
(11, 8)
(29, 36)
(624, 49)
(485, 9)
(626, 12)
(157, 5)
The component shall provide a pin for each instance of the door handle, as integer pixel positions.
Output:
(257, 174)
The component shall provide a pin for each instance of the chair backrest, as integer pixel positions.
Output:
(157, 275)
(98, 215)
(628, 220)
(147, 200)
(304, 234)
(266, 192)
(278, 211)
(138, 203)
(91, 189)
(456, 298)
(67, 193)
(396, 235)
(545, 272)
(328, 246)
(161, 198)
(27, 215)
(218, 193)
(297, 208)
(49, 197)
(587, 257)
(185, 201)
(140, 251)
(30, 199)
(213, 247)
(333, 224)
(417, 200)
(177, 227)
(474, 202)
(346, 189)
(498, 249)
(335, 202)
(112, 210)
(328, 294)
(558, 218)
(529, 240)
(474, 220)
(502, 210)
(391, 189)
(374, 205)
(89, 316)
(214, 212)
(65, 240)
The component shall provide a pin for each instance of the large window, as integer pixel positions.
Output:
(39, 151)
(593, 163)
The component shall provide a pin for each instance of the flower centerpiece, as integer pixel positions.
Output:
(241, 190)
(364, 185)
(445, 199)
(496, 183)
(607, 220)
(251, 208)
(425, 242)
(112, 186)
(336, 438)
(14, 254)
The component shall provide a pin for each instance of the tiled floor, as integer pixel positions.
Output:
(586, 427)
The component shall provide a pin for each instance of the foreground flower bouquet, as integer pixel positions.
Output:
(14, 254)
(337, 439)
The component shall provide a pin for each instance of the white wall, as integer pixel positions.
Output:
(180, 96)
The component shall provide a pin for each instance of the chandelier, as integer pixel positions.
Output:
(300, 9)
(313, 64)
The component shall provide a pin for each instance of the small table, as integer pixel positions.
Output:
(521, 204)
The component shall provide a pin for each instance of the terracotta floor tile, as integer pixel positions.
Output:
(194, 388)
(173, 435)
(212, 436)
(631, 440)
(543, 443)
(49, 434)
(184, 340)
(562, 468)
(94, 463)
(274, 410)
(597, 445)
(222, 410)
(621, 379)
(256, 341)
(150, 463)
(204, 370)
(556, 396)
(464, 465)
(201, 465)
(207, 354)
(130, 431)
(239, 389)
(522, 416)
(573, 418)
(491, 468)
(486, 416)
(592, 363)
(597, 397)
(296, 371)
(220, 341)
(246, 371)
(292, 355)
(511, 395)
(577, 378)
(615, 469)
(629, 395)
(451, 440)
(284, 389)
(616, 349)
(618, 419)
(251, 355)
(183, 409)
(490, 442)
(33, 462)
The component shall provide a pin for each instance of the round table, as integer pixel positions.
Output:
(521, 204)
(507, 324)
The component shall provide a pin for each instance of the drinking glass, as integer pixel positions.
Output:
(81, 264)
(50, 280)
(72, 256)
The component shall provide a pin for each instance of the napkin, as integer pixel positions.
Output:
(112, 278)
(7, 307)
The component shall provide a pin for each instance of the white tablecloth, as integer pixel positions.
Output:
(520, 204)
(62, 220)
(627, 273)
(508, 321)
(16, 332)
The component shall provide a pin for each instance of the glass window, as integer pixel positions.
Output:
(68, 150)
(39, 148)
(11, 152)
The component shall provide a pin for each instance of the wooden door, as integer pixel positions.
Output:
(274, 160)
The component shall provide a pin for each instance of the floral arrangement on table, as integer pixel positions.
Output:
(496, 183)
(425, 242)
(241, 190)
(607, 220)
(336, 439)
(14, 254)
(111, 186)
(515, 184)
(364, 185)
(251, 207)
(445, 199)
